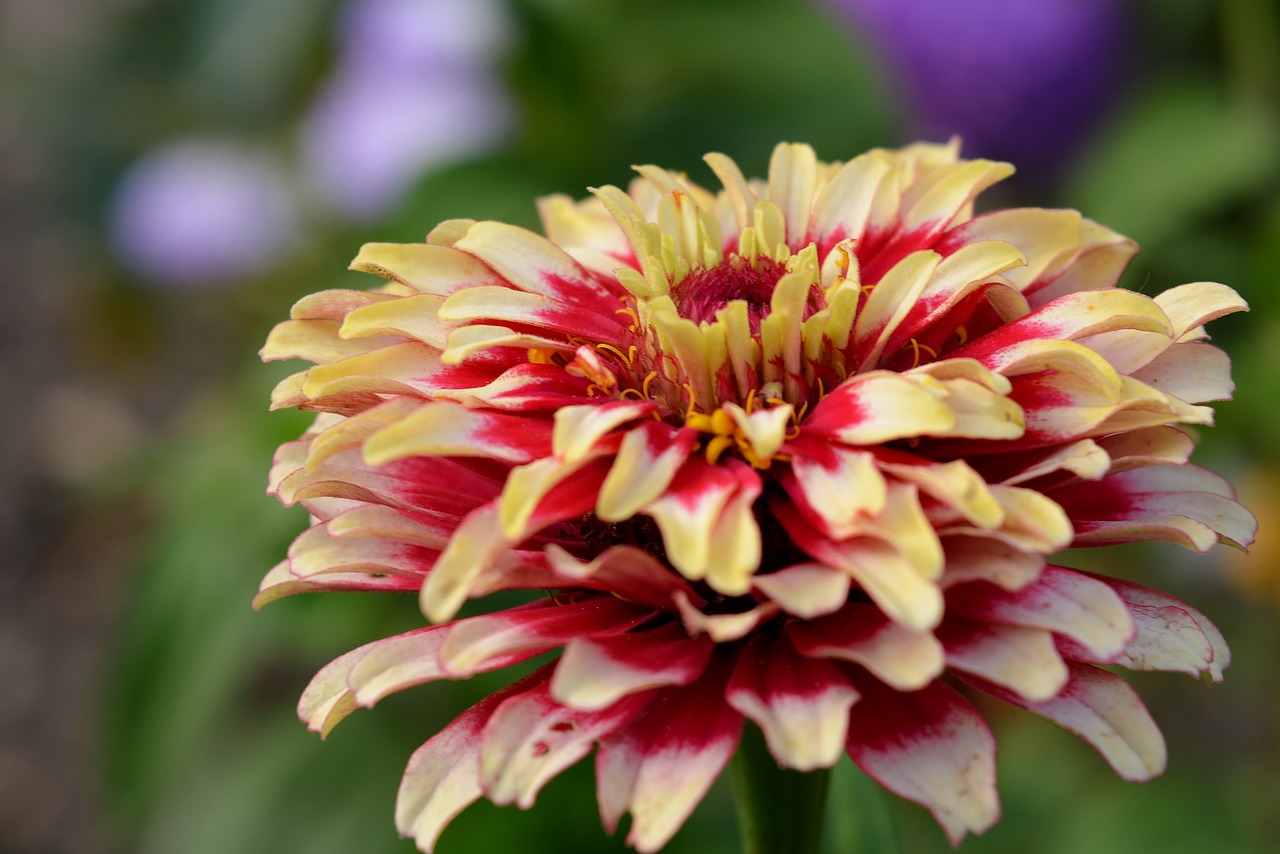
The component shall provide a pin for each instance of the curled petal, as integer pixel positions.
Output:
(1171, 635)
(839, 486)
(647, 462)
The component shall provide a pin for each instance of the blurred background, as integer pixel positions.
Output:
(175, 173)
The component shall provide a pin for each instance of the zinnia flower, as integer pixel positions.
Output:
(797, 452)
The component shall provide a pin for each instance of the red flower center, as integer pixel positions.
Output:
(704, 292)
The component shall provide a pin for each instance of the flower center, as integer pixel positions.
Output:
(703, 293)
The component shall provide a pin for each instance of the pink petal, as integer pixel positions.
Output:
(443, 775)
(1019, 658)
(281, 582)
(396, 663)
(1182, 504)
(801, 704)
(900, 657)
(660, 767)
(1101, 708)
(1062, 601)
(593, 673)
(450, 429)
(524, 388)
(508, 306)
(535, 265)
(878, 407)
(931, 747)
(1068, 318)
(409, 368)
(1171, 635)
(531, 738)
(327, 698)
(627, 571)
(474, 643)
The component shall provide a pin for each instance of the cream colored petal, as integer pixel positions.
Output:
(468, 340)
(427, 268)
(874, 408)
(981, 558)
(844, 488)
(647, 461)
(411, 317)
(1192, 306)
(1019, 658)
(793, 176)
(314, 340)
(956, 485)
(1085, 459)
(579, 428)
(891, 301)
(806, 590)
(476, 544)
(1191, 371)
(764, 430)
(844, 203)
(736, 187)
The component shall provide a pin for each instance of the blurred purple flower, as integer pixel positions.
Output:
(201, 211)
(1017, 80)
(413, 89)
(421, 35)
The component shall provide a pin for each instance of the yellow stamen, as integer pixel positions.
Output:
(636, 392)
(644, 387)
(693, 403)
(635, 318)
(962, 334)
(699, 422)
(916, 347)
(721, 423)
(718, 446)
(612, 349)
(540, 356)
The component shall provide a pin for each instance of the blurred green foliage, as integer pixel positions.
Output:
(200, 748)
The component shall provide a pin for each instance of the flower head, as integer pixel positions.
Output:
(797, 452)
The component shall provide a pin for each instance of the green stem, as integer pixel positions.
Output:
(779, 810)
